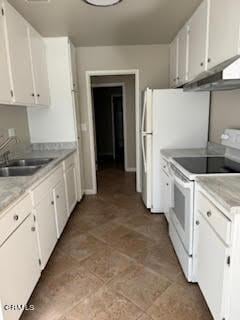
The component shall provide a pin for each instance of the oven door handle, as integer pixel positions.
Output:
(185, 185)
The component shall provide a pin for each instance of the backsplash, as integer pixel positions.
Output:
(225, 113)
(14, 117)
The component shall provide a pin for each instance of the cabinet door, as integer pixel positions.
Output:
(19, 269)
(166, 193)
(198, 35)
(19, 56)
(39, 68)
(224, 31)
(183, 46)
(70, 180)
(46, 227)
(5, 88)
(174, 63)
(212, 267)
(60, 206)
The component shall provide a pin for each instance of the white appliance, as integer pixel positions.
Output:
(171, 118)
(184, 171)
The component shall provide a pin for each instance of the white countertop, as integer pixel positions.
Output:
(12, 188)
(224, 190)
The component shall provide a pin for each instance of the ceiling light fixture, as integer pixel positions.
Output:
(102, 3)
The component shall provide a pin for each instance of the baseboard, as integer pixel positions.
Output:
(89, 192)
(130, 169)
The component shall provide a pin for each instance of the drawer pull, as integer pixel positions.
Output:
(52, 203)
(209, 213)
(16, 217)
(33, 229)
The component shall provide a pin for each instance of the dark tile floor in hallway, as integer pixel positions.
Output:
(115, 262)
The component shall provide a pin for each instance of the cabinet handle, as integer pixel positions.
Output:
(52, 203)
(58, 197)
(38, 95)
(33, 95)
(209, 60)
(197, 223)
(167, 184)
(33, 229)
(16, 217)
(209, 213)
(201, 64)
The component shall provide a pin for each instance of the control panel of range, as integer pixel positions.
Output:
(231, 138)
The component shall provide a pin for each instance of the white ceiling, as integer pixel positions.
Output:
(128, 23)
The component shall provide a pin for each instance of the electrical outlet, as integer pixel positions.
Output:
(11, 132)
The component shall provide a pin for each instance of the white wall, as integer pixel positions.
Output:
(55, 124)
(151, 60)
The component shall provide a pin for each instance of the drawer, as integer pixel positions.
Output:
(218, 221)
(40, 191)
(69, 162)
(13, 217)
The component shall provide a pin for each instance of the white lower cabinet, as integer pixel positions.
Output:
(166, 193)
(28, 234)
(19, 269)
(70, 180)
(213, 269)
(46, 227)
(60, 202)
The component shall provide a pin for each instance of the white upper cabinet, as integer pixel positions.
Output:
(19, 56)
(174, 63)
(5, 88)
(183, 46)
(198, 40)
(224, 31)
(39, 68)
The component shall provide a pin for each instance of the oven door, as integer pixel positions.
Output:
(182, 210)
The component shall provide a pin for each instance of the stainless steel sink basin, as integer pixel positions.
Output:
(28, 162)
(18, 171)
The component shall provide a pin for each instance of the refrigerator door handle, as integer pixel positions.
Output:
(143, 132)
(144, 153)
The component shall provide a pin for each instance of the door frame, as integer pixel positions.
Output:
(124, 128)
(88, 76)
(122, 85)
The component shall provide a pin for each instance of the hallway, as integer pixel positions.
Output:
(115, 262)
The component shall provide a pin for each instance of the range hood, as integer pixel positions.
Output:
(224, 77)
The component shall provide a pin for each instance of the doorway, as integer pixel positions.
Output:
(109, 126)
(130, 146)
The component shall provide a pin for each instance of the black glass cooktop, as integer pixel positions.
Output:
(209, 165)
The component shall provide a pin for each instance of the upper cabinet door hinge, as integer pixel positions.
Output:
(2, 11)
(228, 260)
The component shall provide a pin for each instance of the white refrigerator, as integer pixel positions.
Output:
(171, 119)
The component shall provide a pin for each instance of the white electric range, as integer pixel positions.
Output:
(184, 171)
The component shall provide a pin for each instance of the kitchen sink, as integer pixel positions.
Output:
(18, 171)
(28, 162)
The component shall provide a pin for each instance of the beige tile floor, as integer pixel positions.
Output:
(115, 262)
